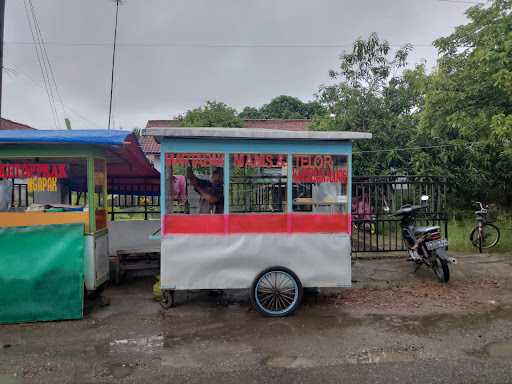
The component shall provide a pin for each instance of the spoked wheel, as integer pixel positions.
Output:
(276, 292)
(441, 270)
(487, 238)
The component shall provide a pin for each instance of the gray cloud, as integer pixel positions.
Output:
(159, 76)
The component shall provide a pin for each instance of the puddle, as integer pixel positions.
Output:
(499, 350)
(214, 356)
(9, 379)
(179, 361)
(440, 323)
(148, 344)
(376, 357)
(119, 370)
(290, 362)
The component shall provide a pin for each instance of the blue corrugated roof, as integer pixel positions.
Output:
(92, 136)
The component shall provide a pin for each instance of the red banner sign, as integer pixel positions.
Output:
(196, 160)
(319, 175)
(27, 170)
(317, 169)
(251, 160)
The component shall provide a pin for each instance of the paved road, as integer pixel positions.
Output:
(394, 326)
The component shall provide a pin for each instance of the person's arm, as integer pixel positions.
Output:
(193, 178)
(203, 187)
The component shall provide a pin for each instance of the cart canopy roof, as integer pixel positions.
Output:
(253, 133)
(90, 136)
(126, 163)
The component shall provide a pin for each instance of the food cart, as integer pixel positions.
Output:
(51, 183)
(261, 209)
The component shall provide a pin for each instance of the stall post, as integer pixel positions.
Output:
(90, 194)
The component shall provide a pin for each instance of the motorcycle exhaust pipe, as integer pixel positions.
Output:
(451, 260)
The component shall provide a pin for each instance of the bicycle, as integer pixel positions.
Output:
(484, 235)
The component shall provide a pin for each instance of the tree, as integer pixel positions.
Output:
(363, 76)
(250, 113)
(212, 114)
(284, 107)
(373, 93)
(468, 104)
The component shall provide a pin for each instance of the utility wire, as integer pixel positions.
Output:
(113, 66)
(16, 72)
(460, 2)
(49, 63)
(203, 45)
(44, 73)
(403, 149)
(44, 61)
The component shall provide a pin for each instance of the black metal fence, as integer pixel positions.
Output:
(20, 195)
(137, 200)
(257, 194)
(140, 201)
(375, 198)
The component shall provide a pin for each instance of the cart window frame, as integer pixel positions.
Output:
(253, 164)
(321, 169)
(203, 165)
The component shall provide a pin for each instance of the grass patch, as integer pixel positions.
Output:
(459, 231)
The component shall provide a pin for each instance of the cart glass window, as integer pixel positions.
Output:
(320, 183)
(194, 183)
(45, 184)
(257, 183)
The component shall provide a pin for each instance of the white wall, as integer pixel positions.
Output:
(132, 235)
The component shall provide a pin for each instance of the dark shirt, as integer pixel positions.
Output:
(216, 190)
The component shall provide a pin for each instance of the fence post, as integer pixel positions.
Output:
(112, 213)
(145, 200)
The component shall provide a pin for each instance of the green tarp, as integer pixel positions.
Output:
(41, 273)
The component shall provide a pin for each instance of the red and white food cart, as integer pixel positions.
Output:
(261, 209)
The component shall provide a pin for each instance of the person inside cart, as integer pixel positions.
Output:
(211, 191)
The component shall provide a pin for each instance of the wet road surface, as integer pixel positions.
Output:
(391, 327)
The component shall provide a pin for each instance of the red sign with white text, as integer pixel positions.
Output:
(196, 160)
(317, 169)
(31, 170)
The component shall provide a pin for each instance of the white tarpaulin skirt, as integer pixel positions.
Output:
(233, 261)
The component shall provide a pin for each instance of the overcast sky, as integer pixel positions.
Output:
(176, 54)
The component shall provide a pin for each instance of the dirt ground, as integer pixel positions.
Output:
(392, 326)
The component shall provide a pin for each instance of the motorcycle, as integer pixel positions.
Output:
(424, 244)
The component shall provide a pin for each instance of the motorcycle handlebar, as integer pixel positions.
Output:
(479, 204)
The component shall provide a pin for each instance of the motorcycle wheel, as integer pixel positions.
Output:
(441, 269)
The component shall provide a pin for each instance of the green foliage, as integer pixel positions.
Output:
(213, 114)
(457, 119)
(459, 230)
(369, 96)
(284, 107)
(250, 113)
(468, 103)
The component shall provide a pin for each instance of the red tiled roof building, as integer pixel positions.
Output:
(6, 124)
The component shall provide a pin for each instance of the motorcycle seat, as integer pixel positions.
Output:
(425, 230)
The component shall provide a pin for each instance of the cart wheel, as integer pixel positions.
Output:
(167, 300)
(276, 292)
